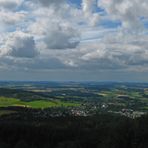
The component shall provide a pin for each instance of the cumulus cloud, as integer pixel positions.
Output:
(47, 3)
(19, 44)
(88, 9)
(56, 29)
(10, 4)
(61, 37)
(127, 11)
(11, 18)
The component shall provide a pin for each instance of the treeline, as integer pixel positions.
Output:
(99, 131)
(21, 94)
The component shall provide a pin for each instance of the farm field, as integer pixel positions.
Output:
(8, 102)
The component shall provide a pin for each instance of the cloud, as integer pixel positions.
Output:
(20, 45)
(39, 63)
(127, 11)
(61, 37)
(114, 52)
(43, 63)
(88, 7)
(47, 3)
(11, 18)
(55, 28)
(10, 4)
(54, 34)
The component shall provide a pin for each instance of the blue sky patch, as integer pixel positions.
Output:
(110, 24)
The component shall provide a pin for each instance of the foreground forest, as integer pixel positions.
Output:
(98, 131)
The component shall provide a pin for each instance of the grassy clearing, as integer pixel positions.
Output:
(5, 102)
(135, 94)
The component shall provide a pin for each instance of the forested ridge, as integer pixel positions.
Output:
(98, 131)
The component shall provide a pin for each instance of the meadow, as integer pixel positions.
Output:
(38, 104)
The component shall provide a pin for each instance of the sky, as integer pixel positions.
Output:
(74, 40)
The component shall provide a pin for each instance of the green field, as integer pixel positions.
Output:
(5, 102)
